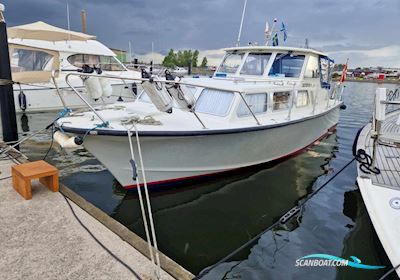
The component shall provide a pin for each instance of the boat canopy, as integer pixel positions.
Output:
(42, 31)
(31, 64)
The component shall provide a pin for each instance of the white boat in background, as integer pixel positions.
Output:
(378, 153)
(262, 104)
(180, 71)
(39, 50)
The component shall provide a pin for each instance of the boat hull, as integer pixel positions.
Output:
(171, 159)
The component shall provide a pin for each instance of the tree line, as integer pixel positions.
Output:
(183, 59)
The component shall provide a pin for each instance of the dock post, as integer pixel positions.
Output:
(7, 106)
(379, 117)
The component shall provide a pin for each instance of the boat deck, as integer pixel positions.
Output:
(387, 157)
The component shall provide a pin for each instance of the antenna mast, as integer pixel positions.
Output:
(241, 23)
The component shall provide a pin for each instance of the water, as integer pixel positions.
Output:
(199, 224)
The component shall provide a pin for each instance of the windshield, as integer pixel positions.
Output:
(106, 63)
(255, 64)
(287, 65)
(231, 63)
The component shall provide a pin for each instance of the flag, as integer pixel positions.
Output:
(283, 29)
(343, 76)
(267, 31)
(275, 41)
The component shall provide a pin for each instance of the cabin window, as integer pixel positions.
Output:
(258, 102)
(281, 100)
(106, 63)
(302, 98)
(312, 69)
(214, 102)
(287, 65)
(231, 63)
(30, 60)
(255, 64)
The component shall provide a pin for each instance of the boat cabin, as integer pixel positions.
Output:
(263, 83)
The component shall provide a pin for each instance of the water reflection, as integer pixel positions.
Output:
(199, 226)
(24, 123)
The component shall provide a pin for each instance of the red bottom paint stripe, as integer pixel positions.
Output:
(175, 180)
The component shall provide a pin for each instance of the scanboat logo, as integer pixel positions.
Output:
(329, 260)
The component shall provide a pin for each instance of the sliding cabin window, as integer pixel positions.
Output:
(23, 60)
(104, 62)
(258, 102)
(302, 98)
(312, 68)
(287, 65)
(214, 102)
(231, 63)
(255, 64)
(281, 100)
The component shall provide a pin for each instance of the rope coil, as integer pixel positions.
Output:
(366, 162)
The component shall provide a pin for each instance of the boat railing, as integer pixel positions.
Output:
(153, 79)
(383, 99)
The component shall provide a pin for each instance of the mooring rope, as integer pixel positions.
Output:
(280, 221)
(359, 156)
(61, 114)
(389, 272)
(79, 220)
(156, 261)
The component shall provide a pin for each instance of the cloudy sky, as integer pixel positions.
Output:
(366, 31)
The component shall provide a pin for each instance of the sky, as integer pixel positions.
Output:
(365, 31)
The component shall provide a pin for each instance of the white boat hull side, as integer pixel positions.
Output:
(381, 200)
(47, 99)
(386, 219)
(179, 157)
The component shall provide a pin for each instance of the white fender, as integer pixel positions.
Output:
(160, 98)
(106, 87)
(184, 100)
(93, 87)
(64, 140)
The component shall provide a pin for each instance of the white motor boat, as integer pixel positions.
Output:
(180, 71)
(39, 50)
(263, 103)
(378, 153)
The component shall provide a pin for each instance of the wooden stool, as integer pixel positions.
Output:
(23, 174)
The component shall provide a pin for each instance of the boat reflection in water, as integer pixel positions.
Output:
(198, 225)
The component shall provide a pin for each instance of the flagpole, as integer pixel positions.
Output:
(241, 23)
(272, 31)
(344, 72)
